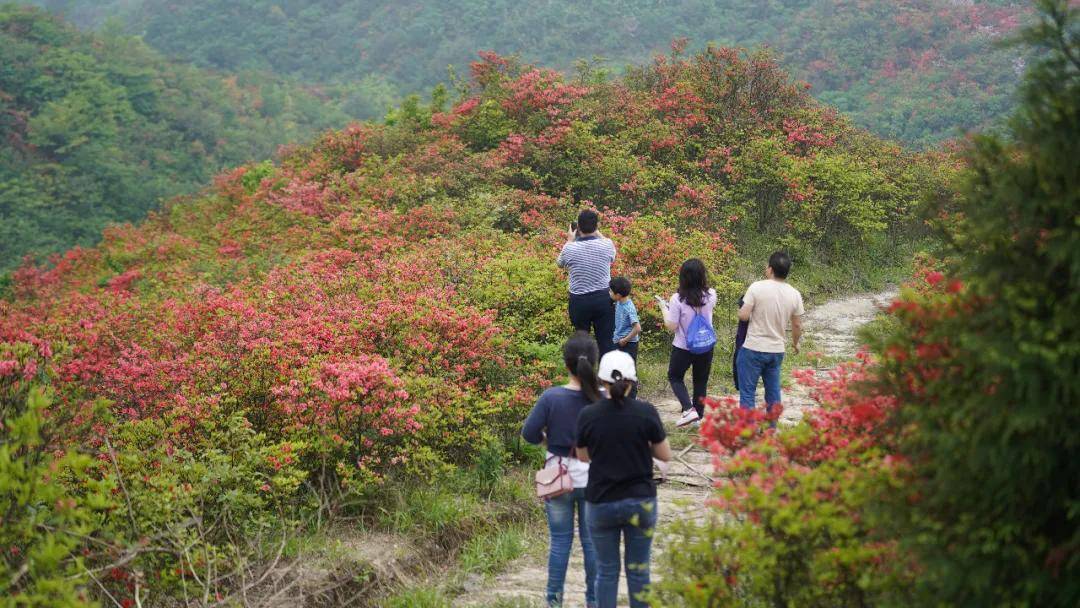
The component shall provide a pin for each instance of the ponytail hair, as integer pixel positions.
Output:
(580, 355)
(619, 391)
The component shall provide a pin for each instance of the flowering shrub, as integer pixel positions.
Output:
(385, 301)
(801, 530)
(932, 473)
(381, 285)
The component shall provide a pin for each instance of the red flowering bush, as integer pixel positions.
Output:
(386, 285)
(800, 529)
(385, 300)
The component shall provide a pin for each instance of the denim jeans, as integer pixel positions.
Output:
(631, 520)
(682, 360)
(753, 365)
(560, 515)
(594, 311)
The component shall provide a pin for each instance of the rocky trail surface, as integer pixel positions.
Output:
(831, 329)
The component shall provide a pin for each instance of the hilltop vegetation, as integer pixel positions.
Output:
(98, 129)
(931, 475)
(916, 70)
(384, 304)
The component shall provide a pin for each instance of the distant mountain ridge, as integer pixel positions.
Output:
(916, 70)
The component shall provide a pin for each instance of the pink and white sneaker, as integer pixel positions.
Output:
(688, 417)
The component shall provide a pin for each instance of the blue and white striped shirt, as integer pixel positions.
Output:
(589, 261)
(626, 317)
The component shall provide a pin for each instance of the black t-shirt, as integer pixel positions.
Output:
(620, 457)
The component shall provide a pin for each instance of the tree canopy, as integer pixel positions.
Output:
(99, 129)
(916, 70)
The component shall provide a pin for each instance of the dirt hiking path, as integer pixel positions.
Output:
(831, 329)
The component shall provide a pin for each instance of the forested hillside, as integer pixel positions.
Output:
(917, 70)
(97, 129)
(384, 304)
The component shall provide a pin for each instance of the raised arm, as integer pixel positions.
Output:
(561, 260)
(671, 319)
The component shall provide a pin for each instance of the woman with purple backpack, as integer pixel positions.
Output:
(689, 314)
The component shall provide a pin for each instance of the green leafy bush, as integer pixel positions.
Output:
(938, 470)
(46, 526)
(984, 363)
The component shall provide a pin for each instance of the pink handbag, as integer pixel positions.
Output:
(553, 481)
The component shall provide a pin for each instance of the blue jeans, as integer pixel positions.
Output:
(633, 521)
(560, 515)
(753, 365)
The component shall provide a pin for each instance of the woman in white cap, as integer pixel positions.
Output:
(619, 437)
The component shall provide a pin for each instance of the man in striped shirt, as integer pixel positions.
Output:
(588, 256)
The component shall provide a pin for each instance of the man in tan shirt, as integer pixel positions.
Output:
(769, 306)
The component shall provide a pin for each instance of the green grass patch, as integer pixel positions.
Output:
(489, 553)
(514, 602)
(428, 596)
(679, 438)
(426, 510)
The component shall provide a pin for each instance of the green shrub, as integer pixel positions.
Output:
(489, 465)
(798, 536)
(985, 363)
(46, 525)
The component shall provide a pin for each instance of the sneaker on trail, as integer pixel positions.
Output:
(688, 416)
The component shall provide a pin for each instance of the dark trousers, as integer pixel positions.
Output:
(631, 349)
(594, 311)
(682, 360)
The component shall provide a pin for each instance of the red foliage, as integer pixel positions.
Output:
(541, 91)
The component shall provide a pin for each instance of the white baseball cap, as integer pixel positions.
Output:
(617, 365)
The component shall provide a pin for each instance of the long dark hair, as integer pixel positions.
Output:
(693, 283)
(580, 355)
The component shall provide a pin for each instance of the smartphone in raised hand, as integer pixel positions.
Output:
(661, 301)
(573, 226)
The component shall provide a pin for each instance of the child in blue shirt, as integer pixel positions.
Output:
(627, 332)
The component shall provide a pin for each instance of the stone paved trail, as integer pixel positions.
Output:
(831, 327)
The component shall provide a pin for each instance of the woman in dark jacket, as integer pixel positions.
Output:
(554, 420)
